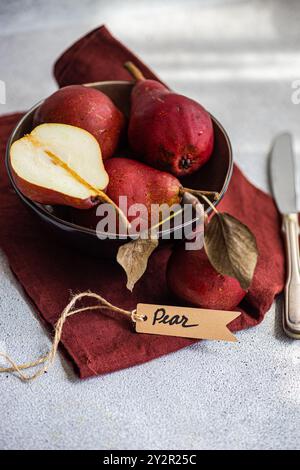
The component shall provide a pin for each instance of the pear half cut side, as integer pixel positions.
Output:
(60, 164)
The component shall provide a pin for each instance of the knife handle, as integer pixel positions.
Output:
(291, 314)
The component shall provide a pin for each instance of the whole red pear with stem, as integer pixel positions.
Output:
(141, 184)
(169, 131)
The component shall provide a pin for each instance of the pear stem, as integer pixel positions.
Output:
(200, 193)
(134, 71)
(209, 203)
(170, 217)
(104, 198)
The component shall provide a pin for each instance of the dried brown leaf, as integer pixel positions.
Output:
(231, 248)
(133, 257)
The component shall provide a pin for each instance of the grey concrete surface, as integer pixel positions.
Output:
(239, 58)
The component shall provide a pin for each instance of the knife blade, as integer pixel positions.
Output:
(283, 173)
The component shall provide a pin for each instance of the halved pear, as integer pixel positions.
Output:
(59, 164)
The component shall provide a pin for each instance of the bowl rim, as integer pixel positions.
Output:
(41, 210)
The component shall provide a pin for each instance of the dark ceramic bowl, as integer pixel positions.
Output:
(214, 175)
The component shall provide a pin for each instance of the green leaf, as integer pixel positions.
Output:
(231, 248)
(133, 257)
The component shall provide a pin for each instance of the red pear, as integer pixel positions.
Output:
(169, 131)
(87, 108)
(141, 184)
(191, 277)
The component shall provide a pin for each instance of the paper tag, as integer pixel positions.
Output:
(185, 322)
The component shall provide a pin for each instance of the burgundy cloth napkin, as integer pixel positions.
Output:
(101, 342)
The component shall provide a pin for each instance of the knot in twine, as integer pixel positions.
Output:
(68, 311)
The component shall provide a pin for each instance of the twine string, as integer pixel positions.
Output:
(68, 311)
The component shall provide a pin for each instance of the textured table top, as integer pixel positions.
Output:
(239, 59)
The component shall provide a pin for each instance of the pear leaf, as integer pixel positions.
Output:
(231, 248)
(133, 257)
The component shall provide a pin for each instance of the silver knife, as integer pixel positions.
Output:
(283, 173)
